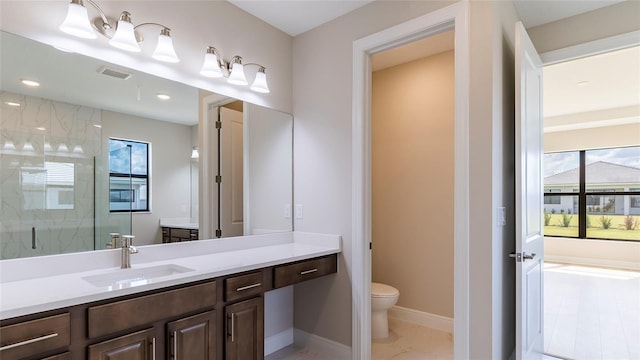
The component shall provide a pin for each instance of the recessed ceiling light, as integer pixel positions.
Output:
(162, 96)
(41, 128)
(97, 126)
(11, 103)
(30, 83)
(582, 83)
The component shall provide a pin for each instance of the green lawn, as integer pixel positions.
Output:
(595, 230)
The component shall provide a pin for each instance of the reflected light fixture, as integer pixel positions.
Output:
(162, 96)
(194, 153)
(30, 83)
(12, 104)
(125, 37)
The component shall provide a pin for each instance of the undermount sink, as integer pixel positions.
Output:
(125, 278)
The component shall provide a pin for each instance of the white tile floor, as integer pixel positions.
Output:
(406, 342)
(591, 313)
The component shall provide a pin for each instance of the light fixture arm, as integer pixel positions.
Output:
(105, 21)
(152, 23)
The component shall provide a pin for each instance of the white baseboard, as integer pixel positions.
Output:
(330, 348)
(421, 318)
(278, 341)
(593, 262)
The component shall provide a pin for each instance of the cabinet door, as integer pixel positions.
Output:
(136, 346)
(193, 338)
(244, 323)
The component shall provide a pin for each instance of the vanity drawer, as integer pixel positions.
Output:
(180, 233)
(34, 337)
(239, 287)
(121, 315)
(304, 270)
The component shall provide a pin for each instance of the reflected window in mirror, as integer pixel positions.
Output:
(128, 175)
(48, 188)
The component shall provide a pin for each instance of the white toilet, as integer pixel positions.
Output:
(383, 297)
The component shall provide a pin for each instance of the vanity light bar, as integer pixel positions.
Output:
(126, 38)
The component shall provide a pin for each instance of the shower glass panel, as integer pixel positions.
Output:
(50, 192)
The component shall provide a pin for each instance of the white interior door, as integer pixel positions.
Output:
(529, 231)
(231, 169)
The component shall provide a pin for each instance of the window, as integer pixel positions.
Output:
(607, 202)
(128, 175)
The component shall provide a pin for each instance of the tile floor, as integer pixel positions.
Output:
(406, 342)
(591, 313)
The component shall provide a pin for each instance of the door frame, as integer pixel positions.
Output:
(454, 17)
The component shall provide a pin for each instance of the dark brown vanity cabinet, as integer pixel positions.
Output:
(36, 337)
(170, 235)
(245, 330)
(193, 337)
(140, 345)
(220, 318)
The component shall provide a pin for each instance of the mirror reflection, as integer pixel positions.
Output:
(97, 148)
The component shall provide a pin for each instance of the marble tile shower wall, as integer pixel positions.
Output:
(49, 153)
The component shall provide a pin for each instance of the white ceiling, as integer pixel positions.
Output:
(297, 16)
(595, 91)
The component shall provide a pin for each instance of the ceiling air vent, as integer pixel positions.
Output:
(113, 73)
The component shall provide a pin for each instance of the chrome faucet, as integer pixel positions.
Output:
(127, 250)
(115, 237)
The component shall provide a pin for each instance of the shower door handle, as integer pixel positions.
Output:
(34, 238)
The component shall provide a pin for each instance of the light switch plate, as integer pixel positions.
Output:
(299, 211)
(287, 211)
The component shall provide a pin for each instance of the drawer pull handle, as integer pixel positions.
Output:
(308, 271)
(153, 348)
(27, 342)
(248, 287)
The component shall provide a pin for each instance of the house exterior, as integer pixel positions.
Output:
(601, 176)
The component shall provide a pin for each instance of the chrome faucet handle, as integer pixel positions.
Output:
(127, 242)
(114, 241)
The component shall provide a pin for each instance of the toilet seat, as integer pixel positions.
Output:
(383, 290)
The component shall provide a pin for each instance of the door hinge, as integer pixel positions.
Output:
(218, 124)
(218, 233)
(219, 179)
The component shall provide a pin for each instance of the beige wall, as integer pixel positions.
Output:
(594, 25)
(594, 138)
(322, 148)
(323, 110)
(412, 148)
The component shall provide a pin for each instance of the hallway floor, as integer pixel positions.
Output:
(591, 312)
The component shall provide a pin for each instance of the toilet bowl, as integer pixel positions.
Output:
(383, 297)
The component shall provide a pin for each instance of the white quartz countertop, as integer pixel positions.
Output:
(33, 285)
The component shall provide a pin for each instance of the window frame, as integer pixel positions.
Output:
(146, 177)
(583, 193)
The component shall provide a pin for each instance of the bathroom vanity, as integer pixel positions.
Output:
(190, 306)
